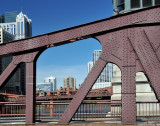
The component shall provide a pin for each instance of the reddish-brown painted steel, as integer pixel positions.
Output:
(118, 49)
(30, 60)
(148, 58)
(131, 41)
(9, 71)
(85, 88)
(30, 92)
(82, 31)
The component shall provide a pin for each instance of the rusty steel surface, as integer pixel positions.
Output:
(130, 41)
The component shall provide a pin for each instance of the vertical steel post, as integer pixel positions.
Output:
(128, 83)
(30, 92)
(128, 96)
(51, 108)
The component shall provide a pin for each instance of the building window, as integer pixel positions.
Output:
(135, 3)
(120, 5)
(21, 27)
(157, 2)
(18, 27)
(12, 30)
(147, 3)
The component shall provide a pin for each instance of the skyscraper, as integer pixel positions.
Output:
(90, 65)
(20, 26)
(104, 80)
(9, 17)
(51, 80)
(69, 82)
(48, 85)
(107, 72)
(4, 37)
(123, 6)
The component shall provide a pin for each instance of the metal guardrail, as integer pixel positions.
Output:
(12, 111)
(52, 111)
(148, 111)
(97, 110)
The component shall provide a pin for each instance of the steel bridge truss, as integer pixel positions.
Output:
(130, 41)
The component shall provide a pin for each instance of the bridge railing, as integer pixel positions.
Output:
(88, 111)
(148, 111)
(12, 111)
(97, 110)
(50, 110)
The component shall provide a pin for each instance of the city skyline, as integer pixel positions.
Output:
(129, 58)
(66, 60)
(19, 26)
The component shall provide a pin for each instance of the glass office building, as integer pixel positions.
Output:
(20, 26)
(9, 17)
(123, 6)
(45, 86)
(53, 82)
(106, 74)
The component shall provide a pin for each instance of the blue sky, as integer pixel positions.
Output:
(53, 15)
